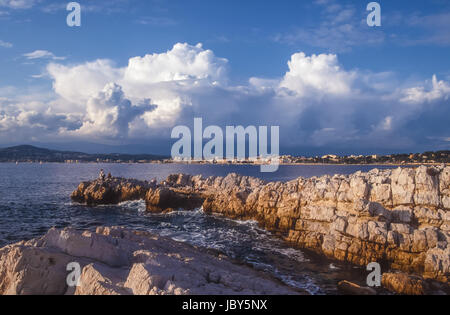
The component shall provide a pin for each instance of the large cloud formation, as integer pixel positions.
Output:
(316, 102)
(306, 75)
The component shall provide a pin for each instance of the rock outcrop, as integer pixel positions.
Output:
(110, 191)
(119, 261)
(400, 217)
(350, 288)
(404, 284)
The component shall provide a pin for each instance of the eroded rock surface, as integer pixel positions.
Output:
(119, 261)
(110, 191)
(350, 288)
(404, 284)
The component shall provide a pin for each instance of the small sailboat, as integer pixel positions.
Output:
(17, 163)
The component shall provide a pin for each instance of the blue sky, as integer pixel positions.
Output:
(349, 87)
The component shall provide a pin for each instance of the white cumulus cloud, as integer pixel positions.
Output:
(317, 73)
(437, 90)
(165, 78)
(78, 83)
(109, 113)
(182, 62)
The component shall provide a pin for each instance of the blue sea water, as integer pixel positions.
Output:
(34, 198)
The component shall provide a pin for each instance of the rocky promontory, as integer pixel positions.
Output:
(110, 191)
(117, 261)
(399, 218)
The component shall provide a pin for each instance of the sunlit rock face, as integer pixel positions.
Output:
(117, 261)
(110, 191)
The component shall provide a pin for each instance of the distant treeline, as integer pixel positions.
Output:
(427, 157)
(27, 153)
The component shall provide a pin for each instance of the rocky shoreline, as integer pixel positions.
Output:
(399, 218)
(117, 261)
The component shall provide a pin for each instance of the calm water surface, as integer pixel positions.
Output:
(34, 198)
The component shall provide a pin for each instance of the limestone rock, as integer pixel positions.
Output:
(117, 261)
(403, 185)
(350, 288)
(427, 187)
(110, 191)
(404, 284)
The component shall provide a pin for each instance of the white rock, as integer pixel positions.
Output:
(403, 185)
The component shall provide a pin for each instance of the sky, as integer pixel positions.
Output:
(135, 69)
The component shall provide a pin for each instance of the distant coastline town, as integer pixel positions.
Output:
(32, 154)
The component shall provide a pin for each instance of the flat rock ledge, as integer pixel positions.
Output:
(400, 217)
(117, 261)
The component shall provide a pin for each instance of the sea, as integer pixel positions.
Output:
(35, 197)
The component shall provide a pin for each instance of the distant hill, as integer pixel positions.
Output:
(29, 153)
